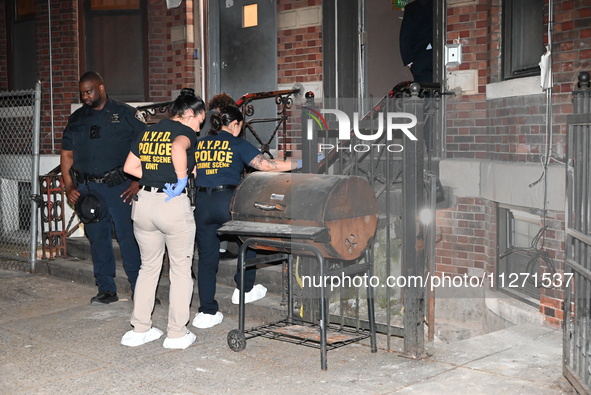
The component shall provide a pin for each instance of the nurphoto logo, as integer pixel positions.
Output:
(387, 122)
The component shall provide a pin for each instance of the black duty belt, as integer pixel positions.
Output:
(150, 189)
(217, 188)
(98, 180)
(111, 178)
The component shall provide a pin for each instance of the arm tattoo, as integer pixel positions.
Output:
(259, 161)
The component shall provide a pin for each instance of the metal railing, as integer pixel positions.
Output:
(396, 168)
(283, 100)
(577, 301)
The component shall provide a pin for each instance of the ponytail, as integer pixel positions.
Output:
(187, 100)
(226, 116)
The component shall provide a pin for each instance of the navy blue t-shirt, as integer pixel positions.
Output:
(154, 148)
(221, 158)
(101, 139)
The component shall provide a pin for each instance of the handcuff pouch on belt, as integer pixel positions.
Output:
(115, 177)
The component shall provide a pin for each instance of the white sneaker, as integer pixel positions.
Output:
(257, 292)
(203, 321)
(134, 339)
(180, 343)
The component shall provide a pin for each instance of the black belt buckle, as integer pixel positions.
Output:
(98, 180)
(148, 188)
(83, 178)
(217, 188)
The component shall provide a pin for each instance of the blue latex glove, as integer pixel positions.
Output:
(173, 190)
(299, 163)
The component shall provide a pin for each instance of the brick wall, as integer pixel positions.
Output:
(517, 126)
(551, 300)
(170, 65)
(179, 63)
(466, 239)
(159, 55)
(509, 129)
(299, 59)
(299, 55)
(65, 71)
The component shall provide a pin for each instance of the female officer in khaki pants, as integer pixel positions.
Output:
(162, 159)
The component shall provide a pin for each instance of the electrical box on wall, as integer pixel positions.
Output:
(453, 54)
(173, 3)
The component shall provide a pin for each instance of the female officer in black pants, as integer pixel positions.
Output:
(162, 159)
(221, 157)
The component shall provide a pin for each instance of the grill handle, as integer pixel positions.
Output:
(269, 206)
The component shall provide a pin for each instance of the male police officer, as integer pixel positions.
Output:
(95, 144)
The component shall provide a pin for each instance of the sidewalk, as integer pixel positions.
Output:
(53, 341)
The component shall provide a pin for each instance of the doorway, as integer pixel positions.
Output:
(383, 64)
(243, 55)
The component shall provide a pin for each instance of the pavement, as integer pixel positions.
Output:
(53, 341)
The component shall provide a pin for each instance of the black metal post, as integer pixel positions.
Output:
(413, 245)
(309, 143)
(370, 300)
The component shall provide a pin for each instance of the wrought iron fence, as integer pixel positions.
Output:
(577, 303)
(19, 167)
(395, 168)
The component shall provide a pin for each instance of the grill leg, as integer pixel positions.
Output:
(241, 265)
(323, 320)
(289, 289)
(370, 305)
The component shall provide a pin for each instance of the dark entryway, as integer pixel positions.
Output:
(243, 54)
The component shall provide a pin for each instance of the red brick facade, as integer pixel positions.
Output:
(509, 129)
(513, 129)
(171, 65)
(299, 59)
(467, 237)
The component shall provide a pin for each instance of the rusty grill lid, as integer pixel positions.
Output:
(338, 214)
(314, 198)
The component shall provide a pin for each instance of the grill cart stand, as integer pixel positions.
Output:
(323, 334)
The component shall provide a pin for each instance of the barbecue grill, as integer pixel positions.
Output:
(327, 217)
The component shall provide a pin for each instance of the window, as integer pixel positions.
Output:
(521, 261)
(22, 49)
(25, 9)
(250, 16)
(523, 37)
(115, 46)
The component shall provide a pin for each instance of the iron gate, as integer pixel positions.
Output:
(577, 302)
(399, 172)
(19, 168)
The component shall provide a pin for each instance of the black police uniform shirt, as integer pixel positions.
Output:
(221, 158)
(101, 139)
(154, 148)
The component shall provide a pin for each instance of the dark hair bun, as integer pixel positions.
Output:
(187, 92)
